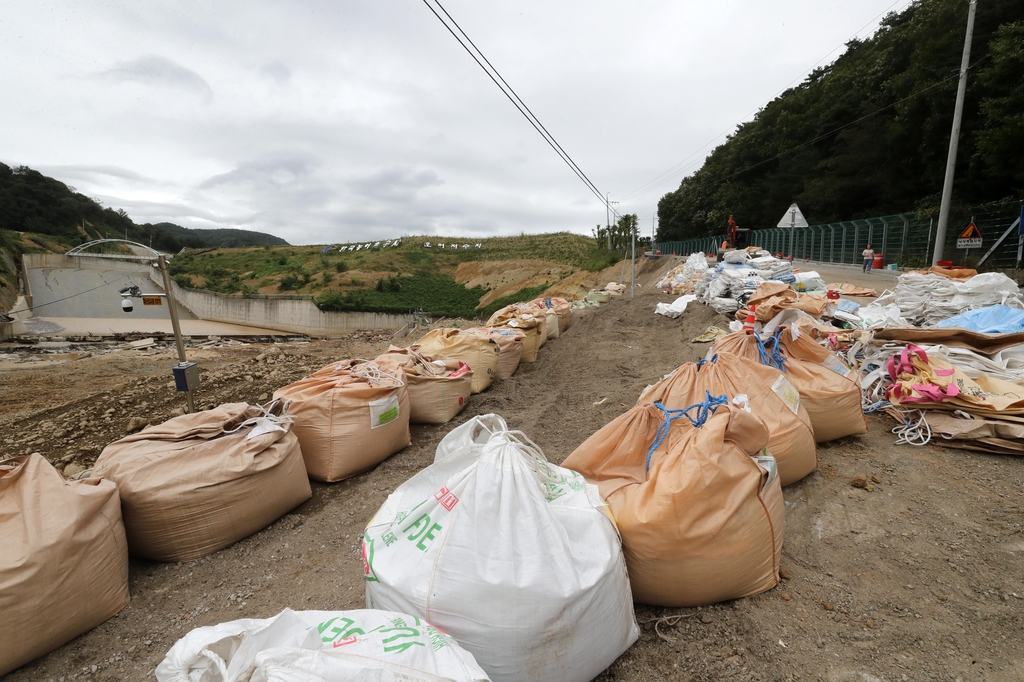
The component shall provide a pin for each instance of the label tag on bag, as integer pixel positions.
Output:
(383, 411)
(788, 393)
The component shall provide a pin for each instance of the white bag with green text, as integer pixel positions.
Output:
(515, 557)
(319, 646)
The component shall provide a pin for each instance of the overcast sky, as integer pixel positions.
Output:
(326, 122)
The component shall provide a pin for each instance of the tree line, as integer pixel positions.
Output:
(868, 134)
(33, 202)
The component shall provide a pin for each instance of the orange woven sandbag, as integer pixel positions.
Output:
(832, 400)
(770, 396)
(439, 386)
(561, 308)
(63, 558)
(202, 481)
(480, 353)
(349, 417)
(701, 520)
(528, 323)
(510, 346)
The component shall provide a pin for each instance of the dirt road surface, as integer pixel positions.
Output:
(918, 579)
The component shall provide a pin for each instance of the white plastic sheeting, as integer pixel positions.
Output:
(314, 646)
(926, 299)
(676, 307)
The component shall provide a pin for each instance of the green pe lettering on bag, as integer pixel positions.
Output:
(383, 411)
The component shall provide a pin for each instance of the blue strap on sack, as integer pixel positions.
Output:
(702, 411)
(771, 354)
(701, 363)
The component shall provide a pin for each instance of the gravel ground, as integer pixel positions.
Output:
(919, 578)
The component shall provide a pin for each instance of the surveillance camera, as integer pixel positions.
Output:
(126, 305)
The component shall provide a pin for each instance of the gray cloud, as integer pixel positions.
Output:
(159, 72)
(396, 183)
(276, 71)
(344, 121)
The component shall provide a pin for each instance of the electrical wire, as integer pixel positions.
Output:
(507, 90)
(36, 307)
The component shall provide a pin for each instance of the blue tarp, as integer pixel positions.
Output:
(995, 319)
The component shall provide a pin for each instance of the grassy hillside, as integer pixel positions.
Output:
(408, 277)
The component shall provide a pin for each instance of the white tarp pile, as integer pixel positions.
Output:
(695, 266)
(926, 299)
(675, 308)
(315, 646)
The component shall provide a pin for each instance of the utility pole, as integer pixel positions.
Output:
(954, 140)
(608, 218)
(173, 310)
(632, 286)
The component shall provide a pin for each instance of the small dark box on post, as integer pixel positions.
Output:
(186, 376)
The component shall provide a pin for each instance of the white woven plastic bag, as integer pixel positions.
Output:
(318, 646)
(514, 557)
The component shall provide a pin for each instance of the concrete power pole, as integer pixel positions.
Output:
(954, 140)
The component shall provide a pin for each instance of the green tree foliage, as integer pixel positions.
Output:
(868, 134)
(33, 202)
(432, 294)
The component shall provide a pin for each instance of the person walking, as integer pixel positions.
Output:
(869, 258)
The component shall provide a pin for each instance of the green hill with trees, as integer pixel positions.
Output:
(868, 134)
(35, 203)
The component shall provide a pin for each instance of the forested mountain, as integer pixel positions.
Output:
(868, 134)
(33, 202)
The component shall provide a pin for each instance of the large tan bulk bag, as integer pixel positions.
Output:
(561, 308)
(63, 558)
(531, 325)
(769, 395)
(704, 522)
(203, 481)
(831, 397)
(349, 417)
(439, 386)
(510, 347)
(479, 352)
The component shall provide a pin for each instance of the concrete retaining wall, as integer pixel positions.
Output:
(296, 314)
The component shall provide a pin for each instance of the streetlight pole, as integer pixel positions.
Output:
(173, 310)
(954, 140)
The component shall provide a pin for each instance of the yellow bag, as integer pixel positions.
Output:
(349, 417)
(63, 558)
(438, 386)
(701, 520)
(480, 353)
(770, 395)
(528, 323)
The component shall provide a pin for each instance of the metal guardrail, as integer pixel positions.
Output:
(906, 239)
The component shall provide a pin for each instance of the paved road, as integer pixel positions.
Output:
(879, 280)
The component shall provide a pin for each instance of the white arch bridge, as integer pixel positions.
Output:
(142, 252)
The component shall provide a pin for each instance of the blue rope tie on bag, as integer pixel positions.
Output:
(703, 410)
(769, 351)
(701, 363)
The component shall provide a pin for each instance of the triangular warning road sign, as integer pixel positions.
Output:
(793, 218)
(972, 232)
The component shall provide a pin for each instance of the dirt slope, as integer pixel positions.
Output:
(919, 579)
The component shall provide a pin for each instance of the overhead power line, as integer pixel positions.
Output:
(488, 68)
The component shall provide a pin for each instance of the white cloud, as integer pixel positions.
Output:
(322, 122)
